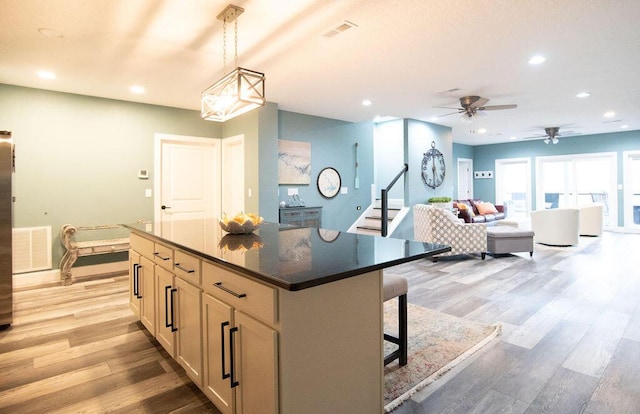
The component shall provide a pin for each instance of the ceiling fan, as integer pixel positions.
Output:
(472, 106)
(551, 135)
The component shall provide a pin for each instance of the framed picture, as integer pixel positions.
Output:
(329, 182)
(294, 162)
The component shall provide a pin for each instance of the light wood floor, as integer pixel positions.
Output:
(570, 344)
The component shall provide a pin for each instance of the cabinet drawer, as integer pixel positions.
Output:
(187, 267)
(141, 245)
(311, 214)
(251, 297)
(163, 256)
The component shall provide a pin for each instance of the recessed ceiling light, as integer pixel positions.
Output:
(482, 130)
(609, 114)
(583, 95)
(625, 126)
(45, 31)
(137, 89)
(513, 138)
(45, 74)
(536, 60)
(366, 102)
(434, 118)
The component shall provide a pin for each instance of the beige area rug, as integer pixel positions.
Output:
(437, 343)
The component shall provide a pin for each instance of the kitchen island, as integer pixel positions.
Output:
(283, 320)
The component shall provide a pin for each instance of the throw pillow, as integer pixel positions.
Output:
(464, 207)
(486, 208)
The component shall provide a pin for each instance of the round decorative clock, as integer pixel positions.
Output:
(329, 182)
(433, 168)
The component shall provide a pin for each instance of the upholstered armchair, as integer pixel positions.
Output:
(591, 219)
(441, 226)
(556, 226)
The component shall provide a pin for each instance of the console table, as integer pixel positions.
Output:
(301, 216)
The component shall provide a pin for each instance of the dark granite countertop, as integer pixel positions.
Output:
(293, 258)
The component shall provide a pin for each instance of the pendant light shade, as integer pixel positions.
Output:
(240, 90)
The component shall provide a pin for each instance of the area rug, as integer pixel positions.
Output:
(437, 343)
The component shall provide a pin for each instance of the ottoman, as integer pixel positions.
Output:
(506, 239)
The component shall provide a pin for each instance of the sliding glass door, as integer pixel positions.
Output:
(513, 185)
(631, 189)
(575, 180)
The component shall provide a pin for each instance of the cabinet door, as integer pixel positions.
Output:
(188, 313)
(165, 310)
(134, 294)
(257, 365)
(217, 321)
(147, 288)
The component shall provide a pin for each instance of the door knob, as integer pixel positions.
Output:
(165, 207)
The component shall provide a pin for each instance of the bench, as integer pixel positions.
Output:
(89, 241)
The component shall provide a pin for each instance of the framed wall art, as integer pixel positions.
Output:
(294, 162)
(329, 182)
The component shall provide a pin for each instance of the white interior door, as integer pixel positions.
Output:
(465, 179)
(233, 175)
(187, 188)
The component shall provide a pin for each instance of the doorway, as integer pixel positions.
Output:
(187, 188)
(465, 179)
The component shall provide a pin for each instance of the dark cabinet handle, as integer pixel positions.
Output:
(161, 257)
(234, 383)
(173, 326)
(136, 266)
(229, 291)
(224, 368)
(166, 307)
(184, 269)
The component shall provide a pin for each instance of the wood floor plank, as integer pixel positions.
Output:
(566, 392)
(58, 383)
(496, 402)
(594, 351)
(619, 389)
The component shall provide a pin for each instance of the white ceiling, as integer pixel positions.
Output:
(403, 55)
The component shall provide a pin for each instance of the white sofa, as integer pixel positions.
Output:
(591, 217)
(557, 227)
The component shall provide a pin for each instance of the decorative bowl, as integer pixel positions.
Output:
(241, 223)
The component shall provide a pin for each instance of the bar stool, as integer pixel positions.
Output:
(397, 286)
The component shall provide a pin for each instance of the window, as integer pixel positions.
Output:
(513, 185)
(575, 180)
(632, 189)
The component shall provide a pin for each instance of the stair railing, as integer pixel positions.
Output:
(385, 201)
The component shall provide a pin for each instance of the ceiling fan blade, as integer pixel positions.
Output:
(451, 113)
(448, 107)
(496, 107)
(479, 102)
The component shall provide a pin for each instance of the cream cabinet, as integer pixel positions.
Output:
(188, 322)
(142, 290)
(253, 347)
(165, 310)
(240, 374)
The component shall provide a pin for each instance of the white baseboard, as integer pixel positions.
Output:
(53, 275)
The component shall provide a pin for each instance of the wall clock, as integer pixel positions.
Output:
(433, 168)
(329, 182)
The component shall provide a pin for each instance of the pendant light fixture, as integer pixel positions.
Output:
(240, 90)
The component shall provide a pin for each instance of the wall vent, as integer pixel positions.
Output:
(31, 249)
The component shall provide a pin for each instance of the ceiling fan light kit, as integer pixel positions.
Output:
(240, 90)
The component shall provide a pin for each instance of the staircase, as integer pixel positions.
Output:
(370, 222)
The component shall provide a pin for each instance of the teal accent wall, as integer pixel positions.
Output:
(332, 145)
(77, 157)
(484, 156)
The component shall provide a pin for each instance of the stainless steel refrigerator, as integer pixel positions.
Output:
(6, 225)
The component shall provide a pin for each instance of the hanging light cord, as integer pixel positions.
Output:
(224, 44)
